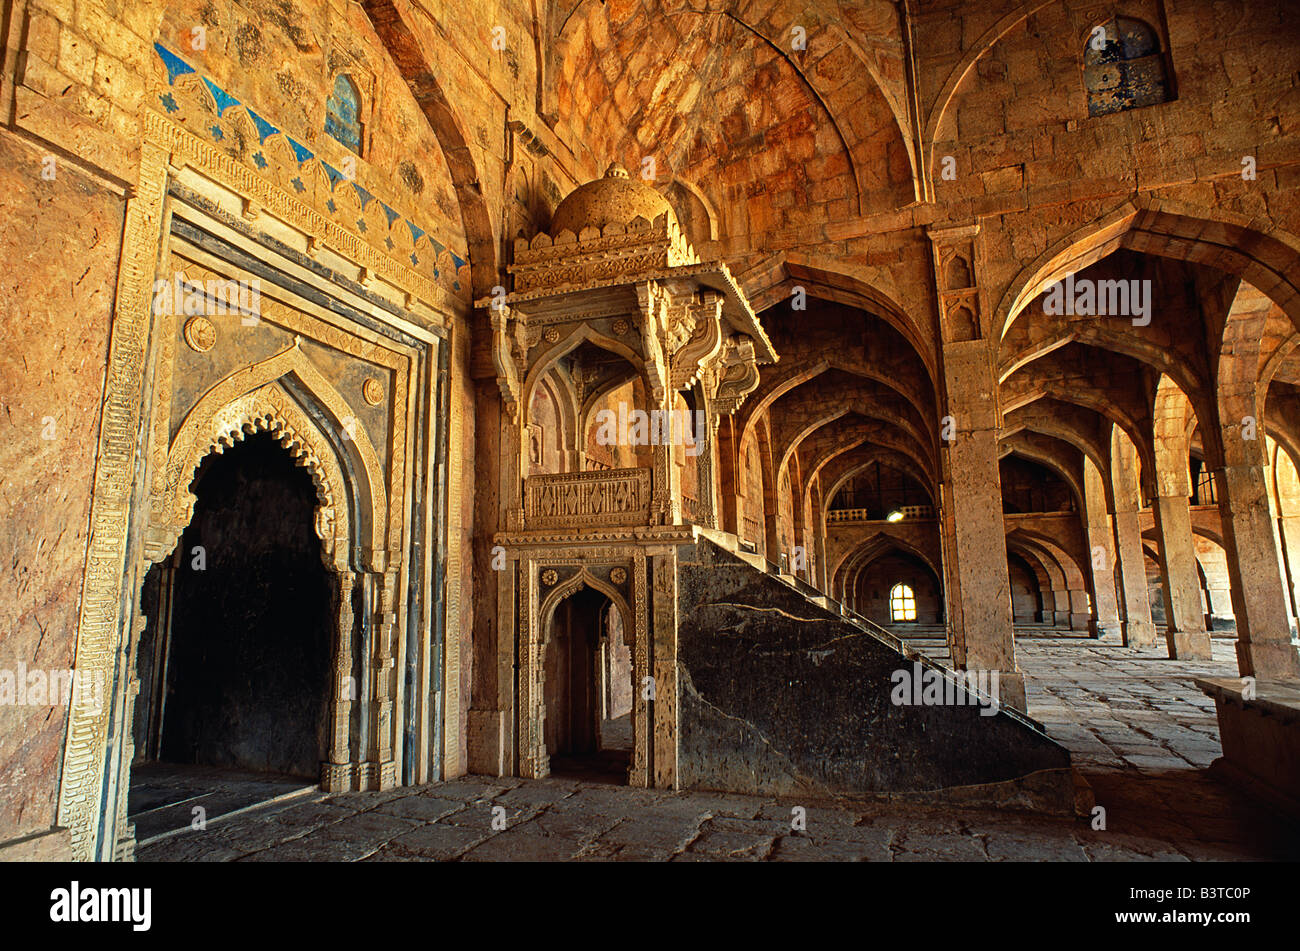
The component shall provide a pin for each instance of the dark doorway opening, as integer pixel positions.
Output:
(588, 671)
(234, 662)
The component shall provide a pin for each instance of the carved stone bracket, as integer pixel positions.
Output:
(503, 360)
(652, 303)
(739, 375)
(705, 344)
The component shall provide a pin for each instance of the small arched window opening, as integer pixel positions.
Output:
(1125, 69)
(343, 113)
(1204, 490)
(902, 603)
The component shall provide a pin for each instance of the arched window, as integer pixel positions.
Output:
(1204, 491)
(902, 603)
(343, 113)
(1124, 69)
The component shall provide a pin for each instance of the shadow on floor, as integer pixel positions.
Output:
(1190, 803)
(164, 796)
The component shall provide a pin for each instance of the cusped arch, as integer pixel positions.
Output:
(256, 397)
(578, 335)
(570, 586)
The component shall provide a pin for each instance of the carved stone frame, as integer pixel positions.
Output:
(97, 749)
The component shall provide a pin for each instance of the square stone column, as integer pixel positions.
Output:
(979, 558)
(1101, 552)
(1138, 630)
(1288, 533)
(1185, 617)
(975, 546)
(1259, 601)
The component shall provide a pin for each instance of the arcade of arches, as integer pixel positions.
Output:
(626, 391)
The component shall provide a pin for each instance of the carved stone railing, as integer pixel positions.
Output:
(906, 512)
(690, 508)
(587, 499)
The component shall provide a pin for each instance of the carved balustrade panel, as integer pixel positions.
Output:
(582, 499)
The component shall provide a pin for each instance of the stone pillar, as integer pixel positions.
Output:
(821, 579)
(498, 437)
(1101, 552)
(1137, 631)
(1185, 632)
(705, 453)
(1061, 611)
(638, 773)
(976, 566)
(979, 550)
(1080, 610)
(1218, 587)
(1288, 531)
(336, 775)
(664, 621)
(1259, 601)
(1287, 513)
(728, 449)
(383, 773)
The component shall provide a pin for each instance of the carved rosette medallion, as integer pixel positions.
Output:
(621, 327)
(549, 577)
(372, 391)
(200, 334)
(551, 336)
(618, 575)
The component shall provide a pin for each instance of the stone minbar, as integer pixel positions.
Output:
(616, 354)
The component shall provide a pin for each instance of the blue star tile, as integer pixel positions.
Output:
(168, 102)
(297, 183)
(259, 159)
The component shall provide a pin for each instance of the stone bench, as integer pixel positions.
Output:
(1260, 737)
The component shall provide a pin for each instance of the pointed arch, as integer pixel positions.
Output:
(257, 397)
(570, 586)
(1266, 256)
(578, 335)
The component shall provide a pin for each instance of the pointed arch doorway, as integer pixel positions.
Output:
(239, 637)
(587, 689)
(236, 654)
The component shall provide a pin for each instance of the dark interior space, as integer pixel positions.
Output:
(239, 624)
(588, 734)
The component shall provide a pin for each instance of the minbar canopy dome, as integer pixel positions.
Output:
(614, 199)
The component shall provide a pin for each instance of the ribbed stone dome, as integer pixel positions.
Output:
(614, 199)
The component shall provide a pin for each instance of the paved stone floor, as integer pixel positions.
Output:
(1138, 729)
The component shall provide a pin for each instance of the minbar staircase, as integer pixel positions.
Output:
(782, 690)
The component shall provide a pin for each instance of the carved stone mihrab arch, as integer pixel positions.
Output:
(268, 409)
(227, 407)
